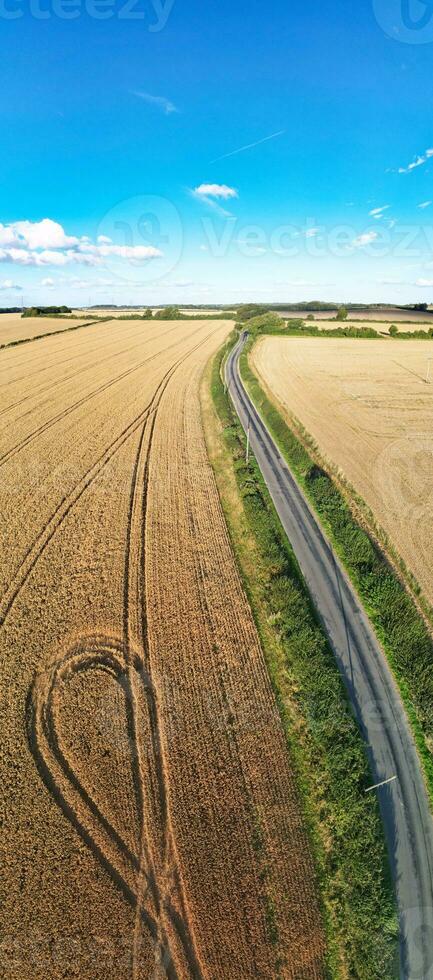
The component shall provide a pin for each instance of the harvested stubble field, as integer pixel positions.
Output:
(13, 327)
(368, 408)
(151, 824)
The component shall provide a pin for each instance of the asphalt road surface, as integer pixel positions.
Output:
(372, 691)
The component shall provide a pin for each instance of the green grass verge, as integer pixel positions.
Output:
(323, 739)
(399, 626)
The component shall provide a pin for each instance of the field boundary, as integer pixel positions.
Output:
(397, 619)
(54, 333)
(361, 512)
(323, 739)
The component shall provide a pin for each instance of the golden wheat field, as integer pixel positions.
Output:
(13, 327)
(368, 407)
(151, 826)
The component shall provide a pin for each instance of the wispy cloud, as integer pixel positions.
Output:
(366, 239)
(378, 213)
(159, 101)
(10, 287)
(424, 283)
(425, 204)
(211, 194)
(418, 162)
(249, 146)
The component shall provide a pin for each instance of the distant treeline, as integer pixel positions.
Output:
(11, 309)
(46, 311)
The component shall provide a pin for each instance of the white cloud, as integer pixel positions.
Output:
(418, 162)
(365, 239)
(45, 243)
(378, 213)
(216, 190)
(425, 204)
(9, 286)
(424, 283)
(135, 253)
(312, 232)
(391, 282)
(7, 236)
(159, 101)
(43, 234)
(211, 194)
(48, 283)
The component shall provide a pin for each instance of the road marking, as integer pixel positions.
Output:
(384, 783)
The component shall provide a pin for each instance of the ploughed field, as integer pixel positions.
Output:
(367, 405)
(150, 821)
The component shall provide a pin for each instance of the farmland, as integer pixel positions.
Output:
(13, 327)
(384, 316)
(151, 822)
(370, 412)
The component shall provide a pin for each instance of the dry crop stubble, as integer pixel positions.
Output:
(144, 756)
(13, 327)
(368, 407)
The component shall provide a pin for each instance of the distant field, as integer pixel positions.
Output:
(126, 312)
(13, 327)
(151, 824)
(381, 327)
(393, 316)
(368, 408)
(93, 314)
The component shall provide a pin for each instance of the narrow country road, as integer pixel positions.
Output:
(372, 691)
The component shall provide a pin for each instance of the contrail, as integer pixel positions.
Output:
(249, 146)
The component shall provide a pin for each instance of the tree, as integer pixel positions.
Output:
(393, 330)
(168, 313)
(310, 316)
(342, 314)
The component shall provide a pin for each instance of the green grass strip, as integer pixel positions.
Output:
(398, 624)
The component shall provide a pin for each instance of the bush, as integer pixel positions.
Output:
(266, 323)
(342, 314)
(168, 313)
(249, 311)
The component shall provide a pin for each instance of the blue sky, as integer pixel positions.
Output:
(119, 130)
